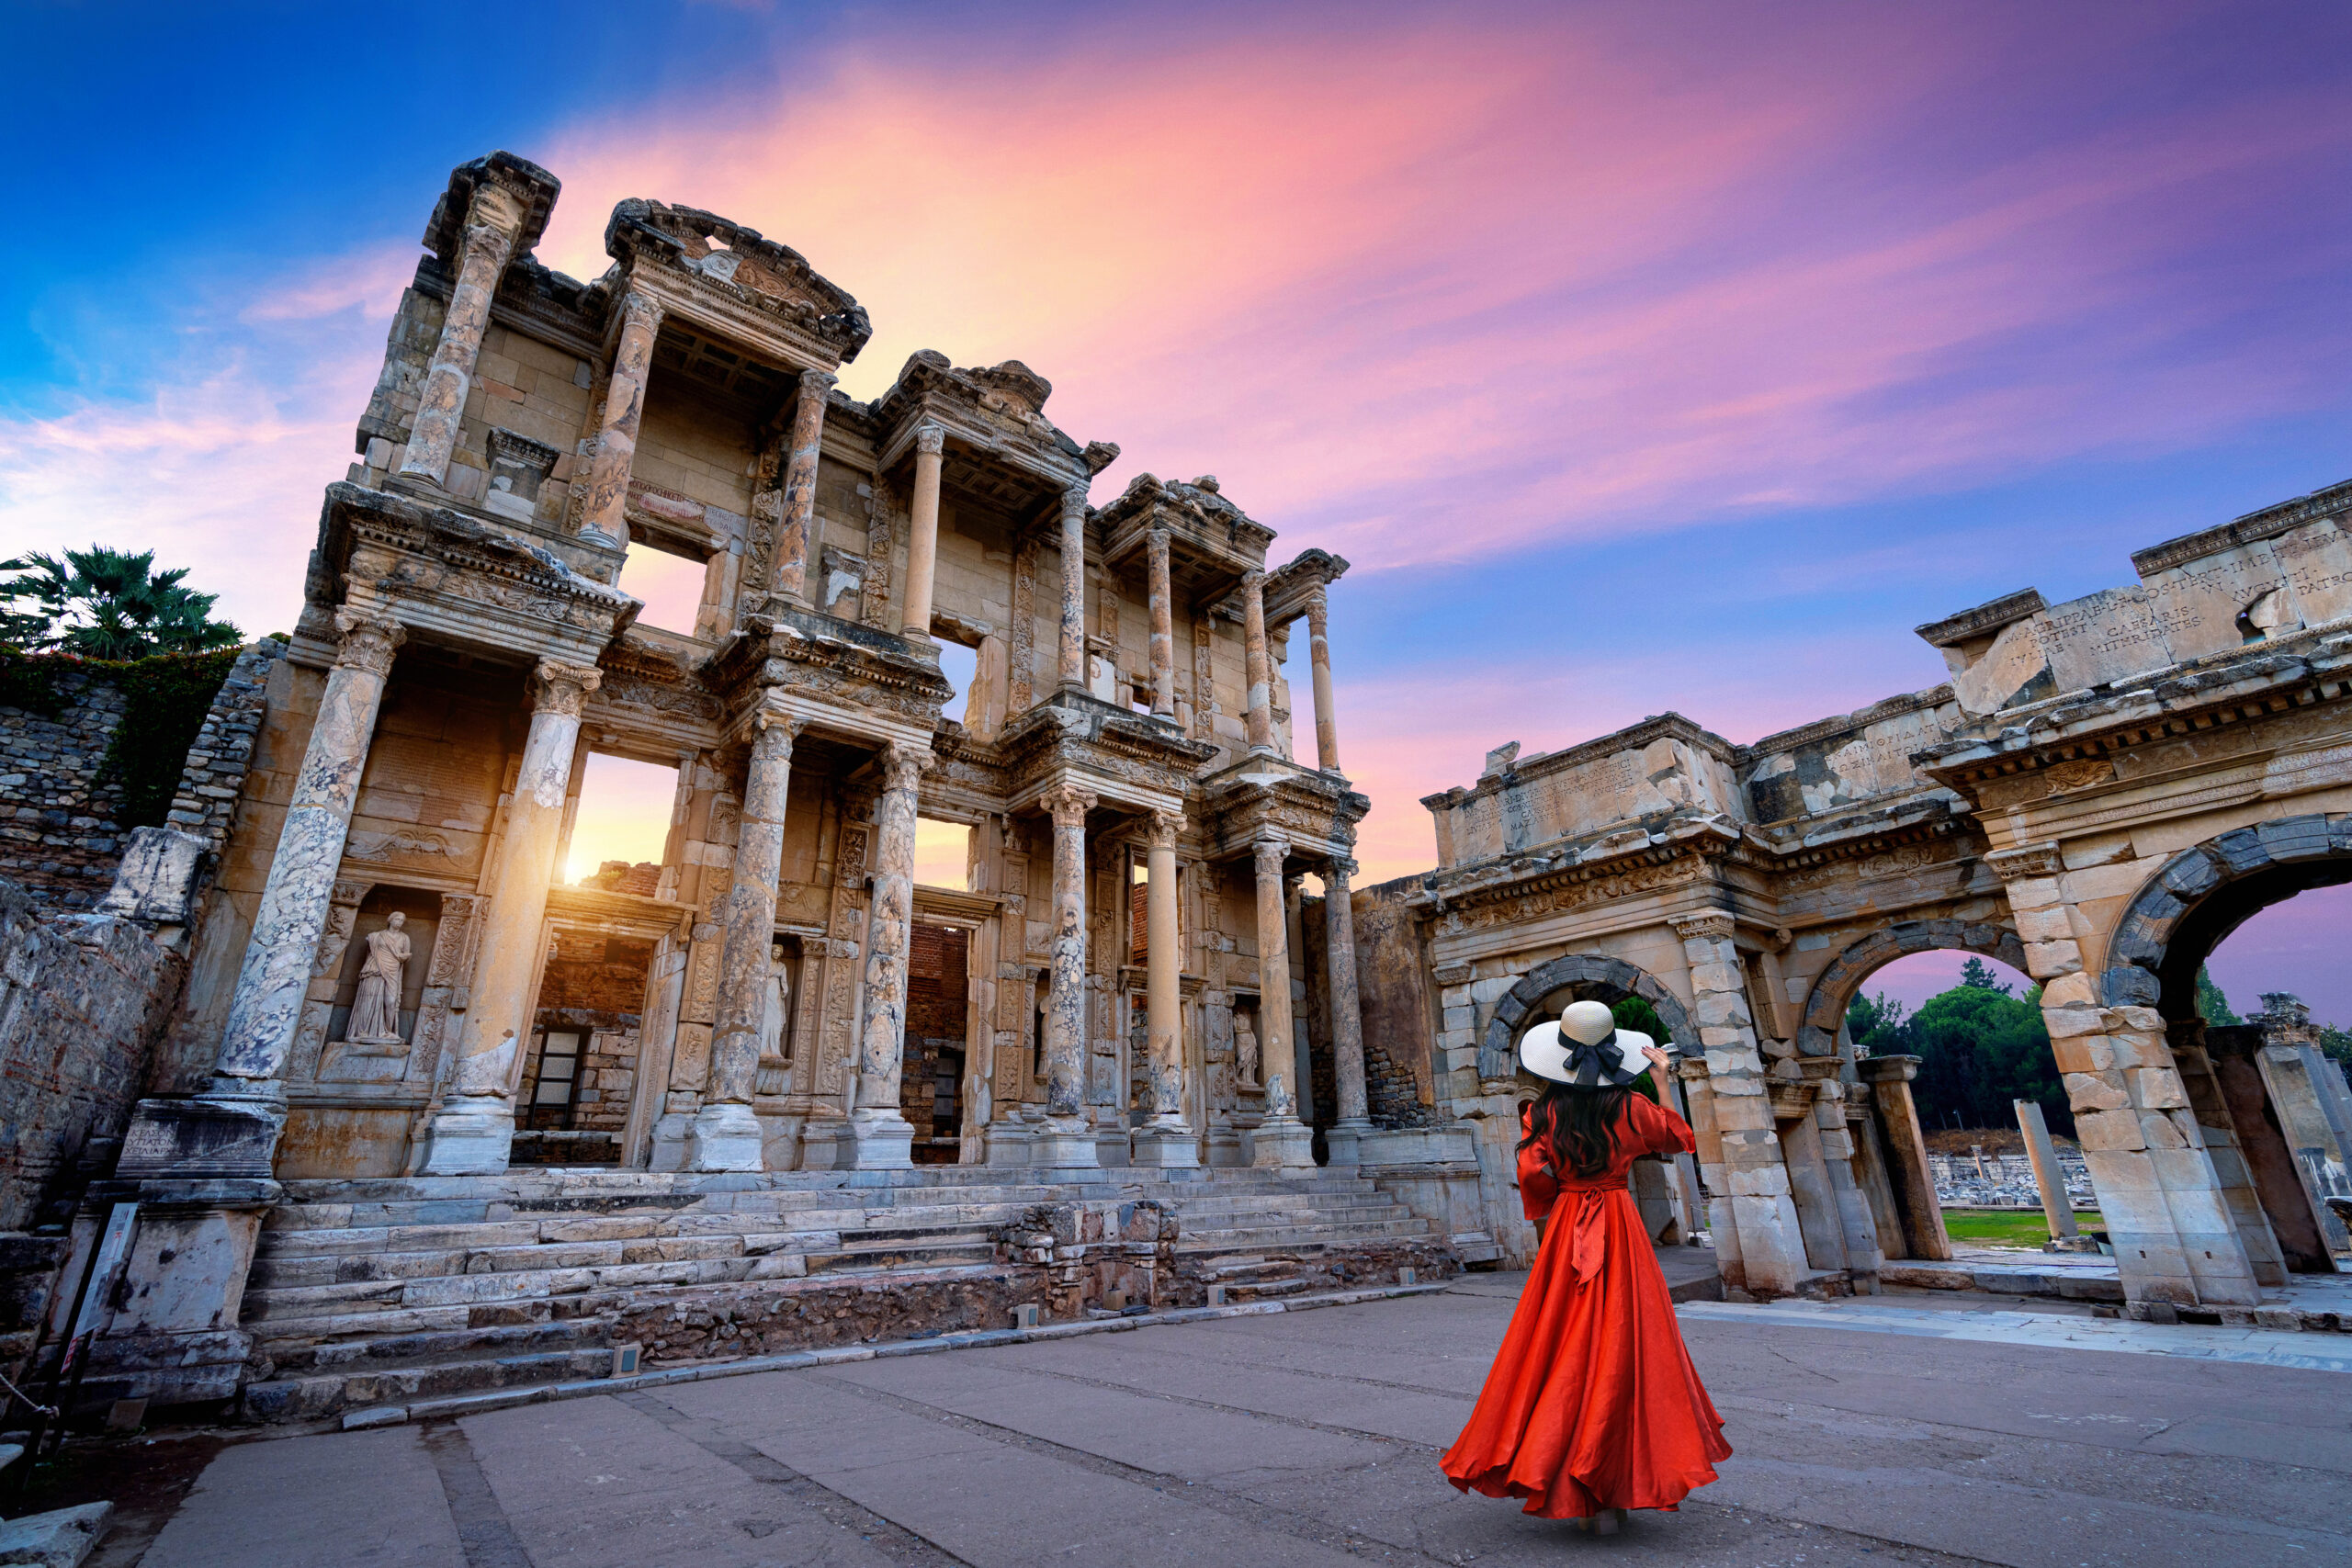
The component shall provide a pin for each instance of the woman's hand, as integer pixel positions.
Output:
(1658, 1059)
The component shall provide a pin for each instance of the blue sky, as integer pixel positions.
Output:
(1670, 355)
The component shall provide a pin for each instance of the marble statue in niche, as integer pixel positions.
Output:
(775, 1064)
(1245, 1050)
(376, 1005)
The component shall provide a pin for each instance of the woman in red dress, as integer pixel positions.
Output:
(1593, 1406)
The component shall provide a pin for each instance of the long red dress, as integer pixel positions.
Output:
(1592, 1403)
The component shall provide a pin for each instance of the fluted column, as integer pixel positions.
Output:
(604, 513)
(1069, 1138)
(1281, 1141)
(797, 525)
(1318, 641)
(1347, 1016)
(726, 1134)
(276, 972)
(884, 1138)
(491, 222)
(1166, 1140)
(1071, 667)
(923, 540)
(1163, 629)
(1258, 664)
(474, 1129)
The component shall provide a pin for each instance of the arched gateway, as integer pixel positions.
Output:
(2102, 791)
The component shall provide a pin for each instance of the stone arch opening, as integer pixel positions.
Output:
(1835, 991)
(1589, 976)
(2277, 1119)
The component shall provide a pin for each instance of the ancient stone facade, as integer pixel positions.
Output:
(389, 983)
(2103, 790)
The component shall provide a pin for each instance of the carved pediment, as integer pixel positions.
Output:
(739, 262)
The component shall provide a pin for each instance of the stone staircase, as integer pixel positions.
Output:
(370, 1292)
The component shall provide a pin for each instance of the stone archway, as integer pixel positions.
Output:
(1833, 992)
(2207, 891)
(1613, 977)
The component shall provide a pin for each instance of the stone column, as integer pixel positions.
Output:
(882, 1134)
(1167, 1139)
(603, 509)
(922, 539)
(1771, 1246)
(2176, 1241)
(2298, 1239)
(2216, 1124)
(491, 222)
(1318, 647)
(1163, 628)
(1068, 1136)
(2042, 1155)
(1347, 1017)
(2290, 1073)
(1907, 1171)
(1259, 666)
(1282, 1140)
(1715, 1181)
(1072, 666)
(797, 525)
(268, 1002)
(474, 1129)
(726, 1134)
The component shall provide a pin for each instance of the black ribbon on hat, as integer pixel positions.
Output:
(1598, 1064)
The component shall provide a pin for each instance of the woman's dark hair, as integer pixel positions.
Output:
(1577, 1127)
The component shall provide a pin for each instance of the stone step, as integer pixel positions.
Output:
(622, 1232)
(1264, 1290)
(322, 1395)
(1226, 1240)
(292, 1359)
(289, 1220)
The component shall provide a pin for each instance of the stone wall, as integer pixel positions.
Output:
(1400, 1035)
(82, 999)
(59, 832)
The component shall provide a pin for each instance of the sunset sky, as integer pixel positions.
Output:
(1639, 356)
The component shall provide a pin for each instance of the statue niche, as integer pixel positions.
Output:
(380, 989)
(776, 1025)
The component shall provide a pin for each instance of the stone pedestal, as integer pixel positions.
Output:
(724, 1136)
(1009, 1144)
(1065, 1147)
(1343, 1141)
(471, 1135)
(826, 1144)
(1283, 1144)
(175, 1336)
(881, 1139)
(1167, 1148)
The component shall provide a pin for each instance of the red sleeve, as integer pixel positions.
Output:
(1659, 1129)
(1537, 1186)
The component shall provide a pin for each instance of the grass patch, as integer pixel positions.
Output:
(2010, 1227)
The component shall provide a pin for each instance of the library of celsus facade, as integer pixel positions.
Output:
(393, 995)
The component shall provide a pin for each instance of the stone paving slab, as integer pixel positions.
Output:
(1865, 1434)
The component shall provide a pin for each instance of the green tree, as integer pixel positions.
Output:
(1979, 1049)
(1877, 1027)
(1977, 975)
(2335, 1045)
(106, 603)
(1635, 1014)
(2212, 1005)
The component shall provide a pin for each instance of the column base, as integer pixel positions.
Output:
(1227, 1149)
(1065, 1143)
(1008, 1143)
(826, 1144)
(880, 1139)
(668, 1151)
(724, 1137)
(471, 1135)
(1345, 1140)
(1284, 1145)
(1167, 1146)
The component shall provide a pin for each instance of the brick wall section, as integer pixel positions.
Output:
(595, 984)
(1399, 1037)
(206, 803)
(83, 999)
(59, 840)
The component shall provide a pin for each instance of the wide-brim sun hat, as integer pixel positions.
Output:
(1583, 1051)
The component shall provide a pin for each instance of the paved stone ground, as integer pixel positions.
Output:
(1310, 1439)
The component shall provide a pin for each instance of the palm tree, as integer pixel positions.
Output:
(106, 604)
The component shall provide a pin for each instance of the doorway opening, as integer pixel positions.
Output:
(581, 1071)
(931, 1084)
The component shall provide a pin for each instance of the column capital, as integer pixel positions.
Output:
(1340, 871)
(1067, 805)
(2026, 861)
(494, 242)
(559, 687)
(816, 383)
(1156, 540)
(1319, 606)
(1254, 581)
(931, 439)
(1165, 826)
(1073, 502)
(903, 765)
(494, 207)
(370, 640)
(1271, 853)
(1704, 925)
(640, 309)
